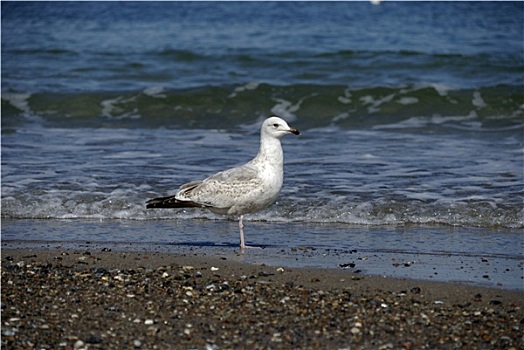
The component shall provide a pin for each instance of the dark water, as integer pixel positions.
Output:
(411, 113)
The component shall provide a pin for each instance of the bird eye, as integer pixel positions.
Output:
(276, 125)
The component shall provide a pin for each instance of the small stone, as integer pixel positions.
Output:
(8, 332)
(285, 299)
(415, 290)
(277, 337)
(149, 322)
(355, 330)
(407, 345)
(93, 340)
(264, 274)
(345, 266)
(78, 345)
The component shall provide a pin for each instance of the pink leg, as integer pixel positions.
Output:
(241, 227)
(242, 241)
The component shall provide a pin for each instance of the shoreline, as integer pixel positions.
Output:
(93, 299)
(492, 270)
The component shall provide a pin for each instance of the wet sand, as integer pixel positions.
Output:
(100, 299)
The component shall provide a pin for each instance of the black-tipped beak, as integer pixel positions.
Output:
(294, 131)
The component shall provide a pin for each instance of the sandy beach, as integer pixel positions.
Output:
(102, 299)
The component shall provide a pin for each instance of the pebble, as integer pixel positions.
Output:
(79, 345)
(415, 290)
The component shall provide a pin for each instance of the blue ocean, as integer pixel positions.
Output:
(411, 113)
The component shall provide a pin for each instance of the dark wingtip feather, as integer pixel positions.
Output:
(170, 202)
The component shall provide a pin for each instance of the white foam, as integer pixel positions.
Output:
(19, 100)
(346, 99)
(155, 91)
(287, 108)
(112, 111)
(375, 103)
(413, 122)
(441, 89)
(407, 100)
(477, 100)
(438, 119)
(340, 117)
(249, 86)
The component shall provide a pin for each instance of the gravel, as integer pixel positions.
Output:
(59, 299)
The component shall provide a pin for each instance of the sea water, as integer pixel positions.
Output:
(412, 118)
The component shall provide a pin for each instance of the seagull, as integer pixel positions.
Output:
(245, 189)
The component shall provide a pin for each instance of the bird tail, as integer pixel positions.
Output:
(170, 202)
